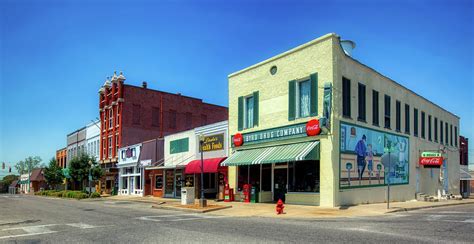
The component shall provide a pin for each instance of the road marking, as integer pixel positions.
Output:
(434, 217)
(29, 234)
(31, 226)
(180, 217)
(42, 229)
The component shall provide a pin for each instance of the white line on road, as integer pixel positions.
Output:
(29, 234)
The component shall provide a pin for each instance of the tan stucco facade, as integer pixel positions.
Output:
(325, 57)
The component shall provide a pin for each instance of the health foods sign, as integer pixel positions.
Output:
(310, 128)
(213, 143)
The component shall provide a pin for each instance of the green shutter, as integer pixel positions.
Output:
(291, 100)
(314, 95)
(255, 108)
(241, 114)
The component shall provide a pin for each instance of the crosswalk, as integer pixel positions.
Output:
(33, 230)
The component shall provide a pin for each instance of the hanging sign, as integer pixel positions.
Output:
(313, 128)
(431, 161)
(430, 154)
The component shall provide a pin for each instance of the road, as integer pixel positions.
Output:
(32, 219)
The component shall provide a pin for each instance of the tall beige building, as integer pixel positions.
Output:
(315, 126)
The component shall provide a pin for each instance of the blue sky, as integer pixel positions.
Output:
(55, 55)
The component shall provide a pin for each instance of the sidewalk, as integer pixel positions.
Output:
(240, 209)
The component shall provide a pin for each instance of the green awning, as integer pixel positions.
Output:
(276, 154)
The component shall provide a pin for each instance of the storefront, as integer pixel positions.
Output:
(214, 177)
(281, 163)
(130, 171)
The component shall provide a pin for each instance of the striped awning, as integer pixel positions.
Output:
(276, 154)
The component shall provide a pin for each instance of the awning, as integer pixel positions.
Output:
(211, 165)
(275, 154)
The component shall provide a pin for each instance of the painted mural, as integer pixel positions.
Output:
(372, 158)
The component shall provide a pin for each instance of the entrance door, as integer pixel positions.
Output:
(169, 183)
(178, 182)
(279, 185)
(131, 188)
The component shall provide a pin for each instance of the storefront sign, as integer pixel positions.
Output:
(432, 161)
(313, 128)
(430, 154)
(213, 143)
(279, 133)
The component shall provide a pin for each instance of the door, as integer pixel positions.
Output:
(169, 183)
(178, 180)
(279, 184)
(131, 189)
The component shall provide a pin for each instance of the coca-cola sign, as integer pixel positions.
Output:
(313, 128)
(432, 161)
(238, 140)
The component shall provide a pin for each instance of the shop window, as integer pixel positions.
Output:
(249, 174)
(361, 102)
(375, 107)
(138, 183)
(189, 181)
(266, 177)
(124, 183)
(387, 111)
(346, 97)
(423, 126)
(303, 176)
(209, 181)
(398, 116)
(158, 181)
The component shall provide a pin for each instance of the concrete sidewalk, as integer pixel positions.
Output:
(240, 209)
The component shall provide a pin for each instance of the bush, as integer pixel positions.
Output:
(80, 195)
(64, 194)
(95, 195)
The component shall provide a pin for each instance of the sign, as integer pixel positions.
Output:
(430, 154)
(273, 134)
(313, 128)
(66, 173)
(436, 161)
(213, 143)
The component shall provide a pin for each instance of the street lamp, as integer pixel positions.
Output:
(90, 177)
(202, 200)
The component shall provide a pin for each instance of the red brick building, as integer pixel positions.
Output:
(61, 156)
(131, 114)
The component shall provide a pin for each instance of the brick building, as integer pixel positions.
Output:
(61, 156)
(131, 114)
(466, 183)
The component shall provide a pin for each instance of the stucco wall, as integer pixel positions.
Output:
(181, 158)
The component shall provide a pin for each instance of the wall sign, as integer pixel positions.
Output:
(279, 133)
(213, 143)
(430, 154)
(431, 161)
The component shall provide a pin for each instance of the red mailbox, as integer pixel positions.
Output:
(246, 192)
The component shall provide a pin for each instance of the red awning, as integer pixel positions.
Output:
(211, 165)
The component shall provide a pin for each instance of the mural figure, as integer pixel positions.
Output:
(361, 151)
(370, 159)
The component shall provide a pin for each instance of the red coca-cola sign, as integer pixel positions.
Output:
(312, 127)
(437, 161)
(238, 140)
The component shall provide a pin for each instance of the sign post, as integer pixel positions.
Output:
(388, 149)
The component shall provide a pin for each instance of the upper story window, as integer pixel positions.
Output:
(387, 111)
(117, 120)
(303, 97)
(415, 122)
(441, 132)
(447, 133)
(451, 135)
(456, 136)
(407, 118)
(375, 107)
(436, 129)
(361, 105)
(423, 126)
(303, 94)
(398, 116)
(429, 127)
(346, 97)
(111, 118)
(248, 111)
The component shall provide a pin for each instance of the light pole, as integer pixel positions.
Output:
(202, 200)
(90, 177)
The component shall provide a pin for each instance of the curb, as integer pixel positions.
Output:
(425, 207)
(189, 209)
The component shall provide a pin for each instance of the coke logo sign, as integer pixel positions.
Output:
(313, 128)
(431, 161)
(238, 140)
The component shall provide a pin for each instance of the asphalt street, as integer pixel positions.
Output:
(32, 219)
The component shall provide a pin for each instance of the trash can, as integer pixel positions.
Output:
(254, 194)
(187, 195)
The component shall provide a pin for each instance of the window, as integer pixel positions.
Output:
(303, 176)
(436, 129)
(387, 112)
(138, 183)
(155, 116)
(346, 97)
(117, 120)
(415, 122)
(398, 117)
(104, 148)
(248, 114)
(423, 127)
(172, 119)
(203, 119)
(361, 104)
(303, 101)
(375, 107)
(111, 118)
(116, 143)
(189, 120)
(158, 181)
(441, 131)
(136, 114)
(451, 135)
(407, 118)
(180, 145)
(446, 134)
(110, 147)
(455, 136)
(124, 182)
(429, 127)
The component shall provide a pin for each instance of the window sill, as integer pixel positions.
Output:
(388, 128)
(407, 133)
(399, 131)
(376, 125)
(346, 117)
(361, 120)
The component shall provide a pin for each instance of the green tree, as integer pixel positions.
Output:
(29, 163)
(79, 169)
(53, 174)
(7, 181)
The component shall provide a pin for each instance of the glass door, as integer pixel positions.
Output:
(178, 180)
(169, 183)
(131, 189)
(280, 183)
